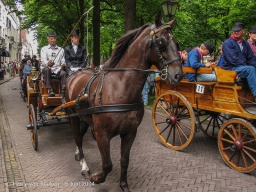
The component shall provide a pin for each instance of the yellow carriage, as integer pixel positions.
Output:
(222, 110)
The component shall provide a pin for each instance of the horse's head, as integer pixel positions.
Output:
(163, 51)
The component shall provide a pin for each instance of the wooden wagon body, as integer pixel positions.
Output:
(224, 110)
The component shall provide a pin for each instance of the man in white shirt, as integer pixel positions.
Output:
(52, 60)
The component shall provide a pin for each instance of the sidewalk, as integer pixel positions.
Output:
(7, 78)
(7, 157)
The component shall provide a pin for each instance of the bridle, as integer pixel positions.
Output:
(158, 41)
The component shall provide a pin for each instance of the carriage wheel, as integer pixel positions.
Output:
(33, 124)
(174, 120)
(237, 144)
(211, 123)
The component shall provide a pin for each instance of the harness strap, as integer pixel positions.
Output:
(112, 108)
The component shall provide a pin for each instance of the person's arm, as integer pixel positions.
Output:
(194, 60)
(67, 57)
(84, 61)
(230, 50)
(44, 59)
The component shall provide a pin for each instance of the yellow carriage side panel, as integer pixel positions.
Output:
(225, 76)
(187, 90)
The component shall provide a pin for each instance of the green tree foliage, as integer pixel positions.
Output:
(197, 21)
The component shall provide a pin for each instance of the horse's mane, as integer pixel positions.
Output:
(122, 44)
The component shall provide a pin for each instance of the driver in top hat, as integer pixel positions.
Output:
(238, 56)
(52, 60)
(75, 54)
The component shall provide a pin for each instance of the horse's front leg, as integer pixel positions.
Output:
(126, 144)
(103, 142)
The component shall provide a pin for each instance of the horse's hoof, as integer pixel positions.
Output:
(86, 174)
(97, 178)
(125, 187)
(77, 157)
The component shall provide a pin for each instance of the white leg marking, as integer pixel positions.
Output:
(84, 165)
(77, 151)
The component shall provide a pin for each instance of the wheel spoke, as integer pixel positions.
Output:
(184, 125)
(245, 135)
(232, 155)
(234, 130)
(177, 106)
(238, 159)
(229, 134)
(164, 129)
(250, 141)
(169, 133)
(178, 132)
(162, 115)
(173, 141)
(244, 159)
(161, 122)
(226, 140)
(249, 155)
(180, 128)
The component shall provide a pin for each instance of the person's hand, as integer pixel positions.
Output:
(50, 63)
(64, 66)
(209, 64)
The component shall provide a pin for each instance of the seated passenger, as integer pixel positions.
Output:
(194, 60)
(252, 39)
(184, 55)
(238, 56)
(52, 57)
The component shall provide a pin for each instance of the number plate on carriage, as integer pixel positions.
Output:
(200, 88)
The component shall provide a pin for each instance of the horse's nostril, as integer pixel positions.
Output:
(177, 77)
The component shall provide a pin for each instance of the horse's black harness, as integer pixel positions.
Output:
(160, 41)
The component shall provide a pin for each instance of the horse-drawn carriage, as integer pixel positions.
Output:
(222, 110)
(43, 109)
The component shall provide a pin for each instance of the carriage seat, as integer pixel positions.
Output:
(204, 70)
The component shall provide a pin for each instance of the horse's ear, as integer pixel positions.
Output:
(172, 21)
(158, 19)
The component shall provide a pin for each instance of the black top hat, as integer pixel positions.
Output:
(252, 29)
(51, 34)
(75, 32)
(238, 26)
(209, 47)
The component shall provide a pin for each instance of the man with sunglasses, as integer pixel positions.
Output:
(238, 56)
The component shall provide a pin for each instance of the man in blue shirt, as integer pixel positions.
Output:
(195, 60)
(238, 56)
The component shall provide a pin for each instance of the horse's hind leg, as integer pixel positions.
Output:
(104, 146)
(78, 134)
(83, 128)
(126, 144)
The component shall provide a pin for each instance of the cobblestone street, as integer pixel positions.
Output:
(153, 167)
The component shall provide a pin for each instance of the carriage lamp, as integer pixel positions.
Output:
(169, 8)
(34, 74)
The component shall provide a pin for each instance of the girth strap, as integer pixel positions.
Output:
(112, 108)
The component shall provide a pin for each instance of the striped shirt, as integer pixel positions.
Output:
(253, 46)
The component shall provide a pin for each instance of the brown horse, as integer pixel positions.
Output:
(115, 106)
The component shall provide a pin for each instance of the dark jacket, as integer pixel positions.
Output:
(194, 60)
(234, 57)
(77, 59)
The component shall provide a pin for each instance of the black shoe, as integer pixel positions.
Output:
(51, 93)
